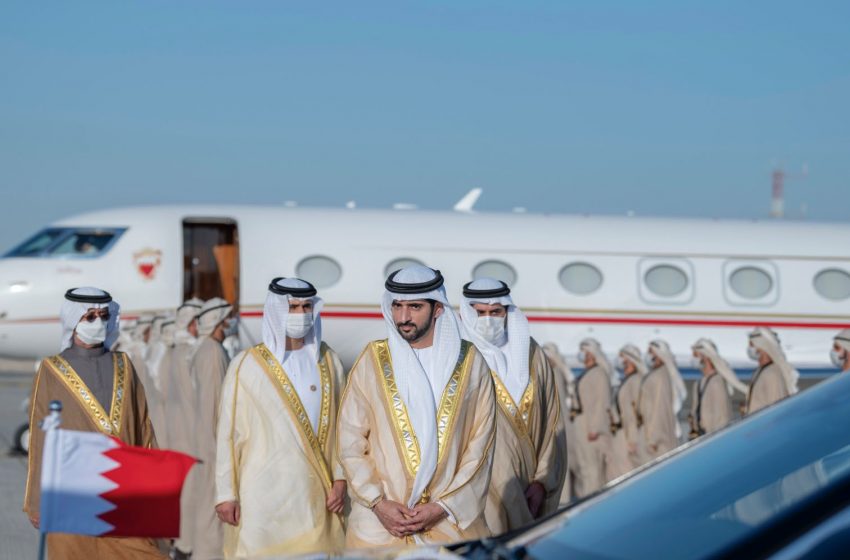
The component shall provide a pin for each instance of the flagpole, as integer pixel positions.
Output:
(55, 417)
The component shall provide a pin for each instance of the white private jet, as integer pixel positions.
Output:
(618, 279)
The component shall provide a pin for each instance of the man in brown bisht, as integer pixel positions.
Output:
(590, 419)
(656, 402)
(626, 448)
(711, 402)
(209, 364)
(99, 392)
(775, 378)
(179, 404)
(417, 424)
(529, 462)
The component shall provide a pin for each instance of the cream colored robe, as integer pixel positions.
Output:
(767, 387)
(127, 416)
(590, 415)
(209, 365)
(180, 419)
(530, 447)
(273, 462)
(656, 413)
(564, 389)
(379, 462)
(711, 406)
(627, 450)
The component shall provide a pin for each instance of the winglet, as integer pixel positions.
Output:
(466, 203)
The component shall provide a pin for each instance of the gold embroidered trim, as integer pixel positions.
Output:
(112, 424)
(450, 399)
(519, 414)
(325, 413)
(402, 425)
(290, 396)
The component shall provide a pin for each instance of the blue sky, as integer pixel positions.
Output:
(660, 107)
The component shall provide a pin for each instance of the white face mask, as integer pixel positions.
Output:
(581, 357)
(232, 327)
(621, 363)
(298, 324)
(92, 333)
(649, 360)
(491, 329)
(752, 353)
(837, 358)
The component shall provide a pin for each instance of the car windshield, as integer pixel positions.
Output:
(717, 492)
(68, 242)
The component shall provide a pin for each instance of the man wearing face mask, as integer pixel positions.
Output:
(775, 378)
(626, 448)
(99, 392)
(656, 401)
(840, 353)
(208, 367)
(417, 424)
(529, 463)
(179, 411)
(279, 407)
(591, 421)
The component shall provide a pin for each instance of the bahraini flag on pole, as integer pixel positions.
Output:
(93, 484)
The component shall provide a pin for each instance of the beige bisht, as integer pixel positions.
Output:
(415, 433)
(592, 425)
(272, 461)
(121, 412)
(208, 367)
(774, 381)
(627, 450)
(656, 416)
(380, 454)
(711, 402)
(530, 441)
(565, 381)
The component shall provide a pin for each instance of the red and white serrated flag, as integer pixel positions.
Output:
(93, 484)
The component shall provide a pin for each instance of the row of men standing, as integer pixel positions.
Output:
(615, 425)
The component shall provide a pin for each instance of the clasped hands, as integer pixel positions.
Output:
(401, 521)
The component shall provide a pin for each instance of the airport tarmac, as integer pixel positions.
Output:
(18, 539)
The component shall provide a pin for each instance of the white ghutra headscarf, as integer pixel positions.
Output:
(416, 283)
(708, 350)
(768, 341)
(77, 303)
(276, 310)
(489, 291)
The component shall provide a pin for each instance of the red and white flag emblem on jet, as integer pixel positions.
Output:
(92, 484)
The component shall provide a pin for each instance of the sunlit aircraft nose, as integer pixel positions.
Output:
(26, 321)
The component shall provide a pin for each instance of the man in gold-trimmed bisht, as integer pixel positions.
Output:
(209, 365)
(99, 392)
(417, 424)
(278, 485)
(529, 463)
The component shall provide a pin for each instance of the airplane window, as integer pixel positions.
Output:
(68, 242)
(398, 264)
(320, 271)
(83, 243)
(833, 284)
(495, 269)
(36, 244)
(666, 280)
(751, 282)
(580, 278)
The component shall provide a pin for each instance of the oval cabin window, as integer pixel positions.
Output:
(580, 278)
(495, 269)
(666, 280)
(320, 271)
(400, 263)
(751, 282)
(833, 284)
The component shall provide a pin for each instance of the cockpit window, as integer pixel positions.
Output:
(68, 242)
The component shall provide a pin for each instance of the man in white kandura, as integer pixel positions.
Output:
(417, 424)
(529, 464)
(279, 487)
